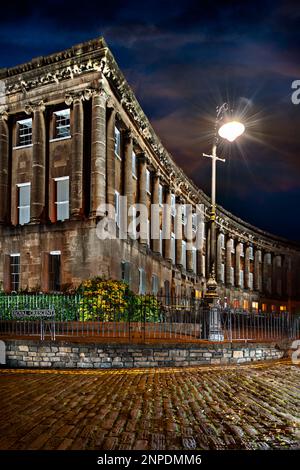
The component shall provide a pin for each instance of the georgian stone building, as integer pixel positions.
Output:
(73, 137)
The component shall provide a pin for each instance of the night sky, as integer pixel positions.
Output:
(182, 59)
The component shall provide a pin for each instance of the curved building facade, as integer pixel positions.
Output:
(73, 138)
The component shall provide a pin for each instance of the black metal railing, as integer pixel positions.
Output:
(144, 318)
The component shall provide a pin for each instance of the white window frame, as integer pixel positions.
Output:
(251, 281)
(22, 185)
(183, 214)
(194, 221)
(194, 259)
(62, 113)
(20, 123)
(173, 248)
(66, 202)
(222, 272)
(154, 284)
(12, 274)
(241, 278)
(160, 242)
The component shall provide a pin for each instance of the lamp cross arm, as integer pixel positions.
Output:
(214, 157)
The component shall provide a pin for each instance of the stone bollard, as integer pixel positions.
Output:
(2, 353)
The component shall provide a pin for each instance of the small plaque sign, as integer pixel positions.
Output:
(43, 314)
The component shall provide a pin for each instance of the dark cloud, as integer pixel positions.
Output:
(182, 59)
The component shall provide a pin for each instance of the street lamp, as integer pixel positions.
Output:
(229, 130)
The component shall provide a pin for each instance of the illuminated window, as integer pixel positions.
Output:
(24, 132)
(273, 308)
(246, 304)
(264, 307)
(255, 305)
(283, 308)
(236, 303)
(62, 124)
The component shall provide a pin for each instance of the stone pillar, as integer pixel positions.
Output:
(38, 183)
(167, 225)
(76, 180)
(228, 278)
(258, 270)
(277, 275)
(142, 160)
(189, 239)
(267, 273)
(98, 151)
(4, 152)
(219, 257)
(156, 241)
(178, 232)
(128, 183)
(247, 267)
(238, 251)
(110, 160)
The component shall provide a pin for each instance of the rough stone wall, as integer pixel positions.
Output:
(22, 353)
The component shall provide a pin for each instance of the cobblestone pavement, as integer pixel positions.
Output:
(245, 407)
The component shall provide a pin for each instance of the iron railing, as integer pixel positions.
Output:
(148, 318)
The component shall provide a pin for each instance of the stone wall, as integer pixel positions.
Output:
(30, 353)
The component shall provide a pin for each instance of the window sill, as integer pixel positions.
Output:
(118, 157)
(60, 138)
(22, 146)
(134, 176)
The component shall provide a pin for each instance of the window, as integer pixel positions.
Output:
(62, 198)
(173, 205)
(283, 308)
(236, 303)
(194, 222)
(264, 307)
(232, 275)
(250, 281)
(142, 281)
(255, 306)
(125, 275)
(241, 278)
(117, 143)
(251, 252)
(222, 272)
(160, 242)
(23, 203)
(54, 271)
(117, 208)
(246, 304)
(160, 194)
(183, 214)
(194, 259)
(203, 265)
(24, 132)
(222, 240)
(134, 165)
(15, 272)
(62, 124)
(173, 248)
(148, 182)
(148, 232)
(183, 254)
(154, 284)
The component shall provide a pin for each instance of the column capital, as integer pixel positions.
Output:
(127, 135)
(142, 157)
(32, 107)
(4, 113)
(73, 97)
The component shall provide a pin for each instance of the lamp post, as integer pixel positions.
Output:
(230, 131)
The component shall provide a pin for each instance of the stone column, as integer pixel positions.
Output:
(219, 258)
(189, 239)
(167, 225)
(4, 152)
(98, 151)
(76, 180)
(110, 160)
(38, 183)
(228, 278)
(238, 251)
(258, 270)
(247, 267)
(277, 275)
(178, 232)
(267, 273)
(156, 241)
(128, 183)
(142, 160)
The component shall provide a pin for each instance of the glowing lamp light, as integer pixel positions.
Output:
(231, 130)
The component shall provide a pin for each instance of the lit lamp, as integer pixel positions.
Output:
(230, 131)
